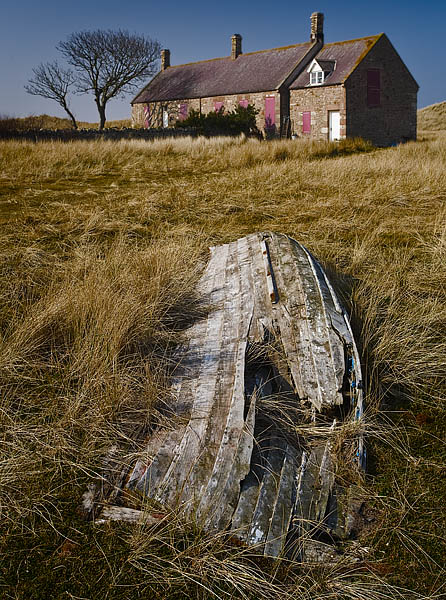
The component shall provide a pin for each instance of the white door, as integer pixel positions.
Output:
(334, 118)
(165, 119)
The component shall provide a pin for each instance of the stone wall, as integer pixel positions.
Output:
(204, 105)
(318, 100)
(153, 118)
(395, 119)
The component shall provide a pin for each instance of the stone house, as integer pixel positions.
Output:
(354, 88)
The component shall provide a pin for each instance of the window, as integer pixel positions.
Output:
(316, 77)
(218, 106)
(306, 122)
(243, 103)
(373, 87)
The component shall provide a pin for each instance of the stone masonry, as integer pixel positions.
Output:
(318, 101)
(395, 119)
(204, 106)
(391, 121)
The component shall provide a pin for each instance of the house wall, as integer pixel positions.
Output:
(206, 105)
(395, 120)
(318, 100)
(154, 117)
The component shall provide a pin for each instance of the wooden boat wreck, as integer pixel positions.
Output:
(267, 400)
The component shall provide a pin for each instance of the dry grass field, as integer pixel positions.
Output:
(49, 122)
(433, 117)
(101, 245)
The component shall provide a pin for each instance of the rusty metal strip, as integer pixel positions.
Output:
(270, 276)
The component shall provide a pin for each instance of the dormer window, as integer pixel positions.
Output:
(320, 70)
(317, 77)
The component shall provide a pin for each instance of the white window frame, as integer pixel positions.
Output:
(317, 77)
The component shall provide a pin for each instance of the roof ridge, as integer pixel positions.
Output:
(197, 62)
(360, 39)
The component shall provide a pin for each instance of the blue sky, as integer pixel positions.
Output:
(29, 31)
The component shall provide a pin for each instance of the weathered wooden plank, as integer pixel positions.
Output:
(307, 328)
(296, 340)
(269, 489)
(314, 488)
(341, 323)
(174, 486)
(323, 344)
(283, 507)
(232, 462)
(332, 305)
(262, 318)
(250, 487)
(303, 516)
(198, 358)
(155, 442)
(338, 334)
(223, 505)
(325, 484)
(213, 435)
(122, 513)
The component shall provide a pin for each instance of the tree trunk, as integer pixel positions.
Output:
(101, 111)
(73, 120)
(70, 114)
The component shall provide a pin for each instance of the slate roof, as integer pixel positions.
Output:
(252, 72)
(326, 65)
(347, 55)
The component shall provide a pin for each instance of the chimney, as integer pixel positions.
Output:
(317, 27)
(165, 59)
(236, 49)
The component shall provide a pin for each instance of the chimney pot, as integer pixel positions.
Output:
(165, 59)
(317, 27)
(236, 48)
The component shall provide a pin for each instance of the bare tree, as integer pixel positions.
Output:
(54, 82)
(109, 63)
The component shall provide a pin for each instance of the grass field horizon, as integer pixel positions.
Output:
(430, 118)
(102, 244)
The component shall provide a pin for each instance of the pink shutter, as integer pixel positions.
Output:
(270, 113)
(306, 122)
(183, 112)
(218, 106)
(244, 103)
(373, 87)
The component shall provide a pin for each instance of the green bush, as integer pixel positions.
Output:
(240, 120)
